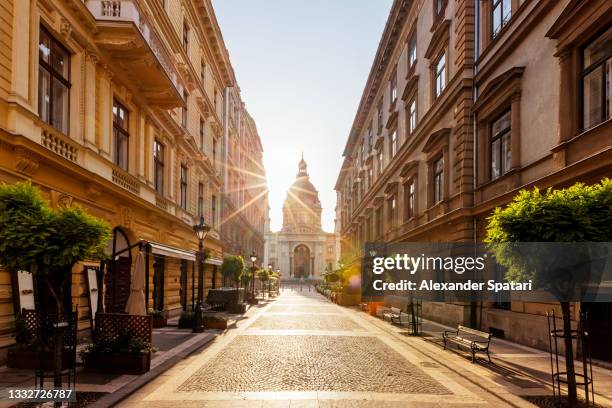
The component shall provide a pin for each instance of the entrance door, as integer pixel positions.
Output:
(301, 261)
(600, 327)
(158, 282)
(183, 288)
(117, 284)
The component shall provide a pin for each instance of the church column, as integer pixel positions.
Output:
(290, 266)
(311, 266)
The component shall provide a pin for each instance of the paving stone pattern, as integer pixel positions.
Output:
(306, 322)
(253, 363)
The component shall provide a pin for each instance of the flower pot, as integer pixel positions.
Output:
(32, 360)
(118, 363)
(215, 324)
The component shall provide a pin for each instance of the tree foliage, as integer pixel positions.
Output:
(36, 238)
(232, 267)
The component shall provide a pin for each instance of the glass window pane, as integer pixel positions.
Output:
(507, 10)
(502, 124)
(496, 19)
(60, 106)
(495, 159)
(60, 60)
(44, 47)
(44, 94)
(506, 153)
(599, 49)
(592, 108)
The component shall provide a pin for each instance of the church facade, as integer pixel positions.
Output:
(301, 249)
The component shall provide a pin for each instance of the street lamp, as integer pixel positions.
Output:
(201, 229)
(253, 260)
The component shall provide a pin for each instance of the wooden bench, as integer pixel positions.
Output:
(475, 340)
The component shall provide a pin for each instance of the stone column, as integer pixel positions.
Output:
(105, 131)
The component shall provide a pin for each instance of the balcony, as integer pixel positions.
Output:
(136, 52)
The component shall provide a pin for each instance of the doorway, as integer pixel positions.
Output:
(301, 261)
(158, 282)
(600, 327)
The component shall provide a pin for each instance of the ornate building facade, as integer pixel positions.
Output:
(468, 102)
(301, 249)
(122, 107)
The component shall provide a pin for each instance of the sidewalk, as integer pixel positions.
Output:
(172, 345)
(521, 370)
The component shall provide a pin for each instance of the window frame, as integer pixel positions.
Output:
(412, 50)
(53, 75)
(202, 133)
(158, 165)
(503, 23)
(183, 186)
(506, 132)
(440, 74)
(200, 199)
(393, 144)
(121, 132)
(438, 180)
(584, 72)
(409, 198)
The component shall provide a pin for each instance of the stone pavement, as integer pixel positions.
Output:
(303, 351)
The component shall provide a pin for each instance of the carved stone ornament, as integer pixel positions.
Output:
(26, 162)
(127, 219)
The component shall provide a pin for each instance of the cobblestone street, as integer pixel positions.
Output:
(302, 351)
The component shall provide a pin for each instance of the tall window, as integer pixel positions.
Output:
(440, 75)
(370, 176)
(370, 138)
(53, 82)
(393, 86)
(391, 212)
(214, 149)
(158, 162)
(412, 116)
(412, 51)
(409, 199)
(393, 145)
(438, 5)
(121, 135)
(201, 199)
(185, 35)
(380, 116)
(501, 11)
(184, 110)
(380, 163)
(183, 181)
(438, 180)
(597, 80)
(202, 124)
(202, 71)
(501, 155)
(214, 210)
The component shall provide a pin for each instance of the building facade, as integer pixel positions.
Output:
(301, 249)
(119, 106)
(468, 102)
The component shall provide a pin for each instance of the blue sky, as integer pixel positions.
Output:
(302, 66)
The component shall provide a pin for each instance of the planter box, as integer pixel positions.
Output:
(159, 321)
(119, 363)
(32, 360)
(215, 324)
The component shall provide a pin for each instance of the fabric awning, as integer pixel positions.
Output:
(172, 252)
(213, 261)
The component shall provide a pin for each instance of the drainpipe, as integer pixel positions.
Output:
(475, 150)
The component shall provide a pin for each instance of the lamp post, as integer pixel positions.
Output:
(201, 229)
(253, 260)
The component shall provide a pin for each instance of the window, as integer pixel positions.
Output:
(501, 11)
(201, 199)
(412, 116)
(380, 116)
(202, 124)
(380, 163)
(597, 80)
(412, 51)
(202, 71)
(121, 135)
(391, 212)
(185, 35)
(214, 152)
(184, 110)
(440, 75)
(409, 198)
(53, 82)
(370, 176)
(183, 181)
(393, 86)
(438, 180)
(214, 210)
(438, 7)
(370, 138)
(393, 144)
(158, 164)
(501, 156)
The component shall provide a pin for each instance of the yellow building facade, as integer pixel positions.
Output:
(119, 106)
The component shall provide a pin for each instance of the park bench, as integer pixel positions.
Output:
(401, 318)
(475, 340)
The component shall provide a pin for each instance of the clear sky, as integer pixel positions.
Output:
(301, 67)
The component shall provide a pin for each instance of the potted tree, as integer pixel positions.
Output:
(577, 214)
(48, 243)
(232, 268)
(123, 354)
(159, 319)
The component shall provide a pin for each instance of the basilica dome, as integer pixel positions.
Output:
(302, 208)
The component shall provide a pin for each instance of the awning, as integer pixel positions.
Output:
(172, 252)
(213, 261)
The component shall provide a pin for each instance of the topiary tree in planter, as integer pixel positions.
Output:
(232, 268)
(47, 243)
(579, 213)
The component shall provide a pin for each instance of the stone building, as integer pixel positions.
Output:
(301, 249)
(466, 103)
(121, 107)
